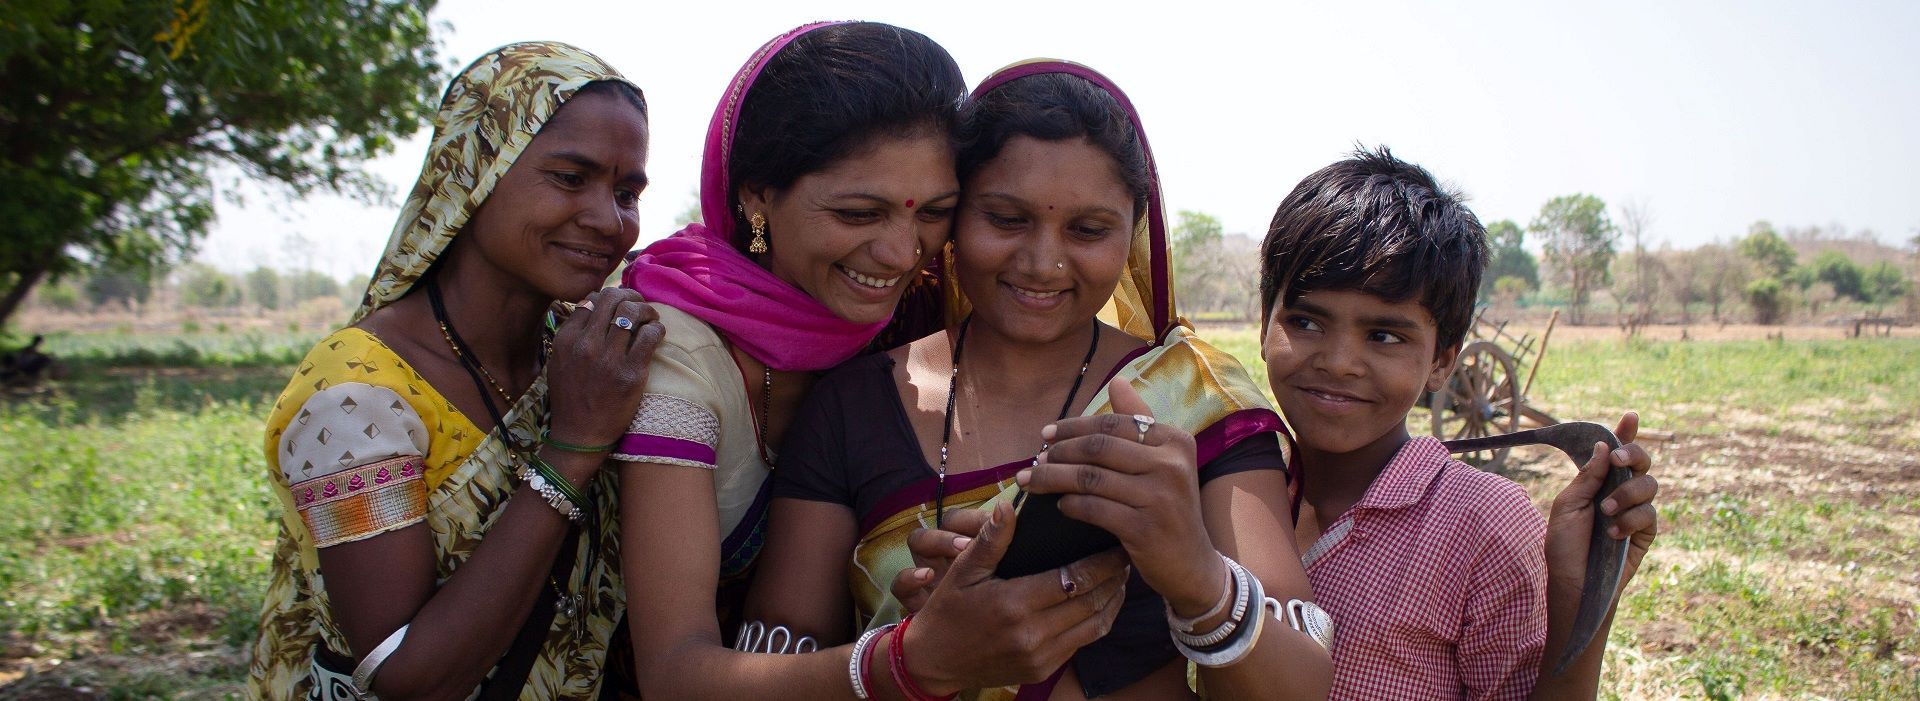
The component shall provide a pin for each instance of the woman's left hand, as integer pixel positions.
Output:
(1141, 486)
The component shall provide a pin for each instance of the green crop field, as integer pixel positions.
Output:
(135, 521)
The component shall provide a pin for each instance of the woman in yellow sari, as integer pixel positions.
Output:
(440, 458)
(1064, 309)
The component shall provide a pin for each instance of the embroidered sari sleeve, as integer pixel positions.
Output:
(678, 422)
(352, 459)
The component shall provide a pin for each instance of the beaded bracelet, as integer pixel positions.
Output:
(561, 483)
(857, 663)
(897, 656)
(532, 475)
(546, 437)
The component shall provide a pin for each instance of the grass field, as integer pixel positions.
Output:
(135, 523)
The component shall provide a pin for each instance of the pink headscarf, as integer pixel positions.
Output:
(698, 270)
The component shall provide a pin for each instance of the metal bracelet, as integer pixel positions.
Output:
(553, 496)
(1236, 647)
(855, 675)
(1244, 585)
(1306, 617)
(370, 665)
(1185, 625)
(755, 636)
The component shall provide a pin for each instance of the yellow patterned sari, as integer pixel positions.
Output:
(488, 116)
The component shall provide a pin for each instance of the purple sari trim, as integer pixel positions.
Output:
(1235, 427)
(648, 445)
(922, 491)
(1043, 690)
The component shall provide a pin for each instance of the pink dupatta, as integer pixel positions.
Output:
(697, 270)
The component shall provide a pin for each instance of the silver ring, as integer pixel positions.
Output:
(624, 323)
(1142, 422)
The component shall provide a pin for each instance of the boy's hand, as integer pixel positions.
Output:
(1570, 521)
(1569, 527)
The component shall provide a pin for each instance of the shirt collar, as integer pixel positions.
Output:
(1407, 476)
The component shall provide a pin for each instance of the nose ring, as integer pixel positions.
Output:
(1060, 265)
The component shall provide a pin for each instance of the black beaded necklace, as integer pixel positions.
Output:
(564, 601)
(953, 386)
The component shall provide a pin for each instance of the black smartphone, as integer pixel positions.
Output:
(1044, 538)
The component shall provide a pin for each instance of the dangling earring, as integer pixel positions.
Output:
(759, 223)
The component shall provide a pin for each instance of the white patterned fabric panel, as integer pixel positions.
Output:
(348, 425)
(352, 458)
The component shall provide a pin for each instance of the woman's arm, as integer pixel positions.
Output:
(379, 584)
(801, 579)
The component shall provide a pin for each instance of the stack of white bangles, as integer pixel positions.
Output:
(1229, 642)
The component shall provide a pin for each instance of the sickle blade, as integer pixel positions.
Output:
(1606, 556)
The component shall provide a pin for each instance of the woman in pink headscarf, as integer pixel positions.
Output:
(828, 181)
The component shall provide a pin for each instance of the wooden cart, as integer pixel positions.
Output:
(1487, 395)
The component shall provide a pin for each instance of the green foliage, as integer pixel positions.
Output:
(189, 349)
(1765, 247)
(1768, 299)
(311, 284)
(203, 285)
(1836, 269)
(1508, 258)
(116, 116)
(1578, 239)
(1511, 288)
(122, 286)
(1213, 272)
(62, 296)
(1884, 283)
(263, 287)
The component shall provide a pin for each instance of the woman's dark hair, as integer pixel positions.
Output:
(1053, 107)
(832, 90)
(1382, 226)
(622, 89)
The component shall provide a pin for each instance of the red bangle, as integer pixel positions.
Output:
(897, 655)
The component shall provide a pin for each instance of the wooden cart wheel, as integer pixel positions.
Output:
(1482, 398)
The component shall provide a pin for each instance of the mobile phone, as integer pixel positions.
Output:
(1044, 538)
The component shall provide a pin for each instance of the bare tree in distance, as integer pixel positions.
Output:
(1636, 216)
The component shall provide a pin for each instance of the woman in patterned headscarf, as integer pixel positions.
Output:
(435, 456)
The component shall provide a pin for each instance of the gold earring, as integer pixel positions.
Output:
(759, 223)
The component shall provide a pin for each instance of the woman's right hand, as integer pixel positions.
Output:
(979, 631)
(598, 371)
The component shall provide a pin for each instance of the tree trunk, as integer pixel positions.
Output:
(17, 294)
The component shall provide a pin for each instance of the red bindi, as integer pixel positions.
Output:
(909, 204)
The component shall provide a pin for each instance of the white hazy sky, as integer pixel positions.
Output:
(1713, 115)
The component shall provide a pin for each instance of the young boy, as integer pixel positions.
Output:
(1436, 574)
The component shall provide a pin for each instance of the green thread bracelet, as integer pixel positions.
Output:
(546, 437)
(553, 477)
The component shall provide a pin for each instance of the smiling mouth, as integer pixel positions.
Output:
(1033, 294)
(605, 257)
(867, 280)
(1324, 395)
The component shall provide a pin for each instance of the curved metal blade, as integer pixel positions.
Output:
(1606, 556)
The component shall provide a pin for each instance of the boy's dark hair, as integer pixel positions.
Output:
(1379, 225)
(831, 92)
(1054, 107)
